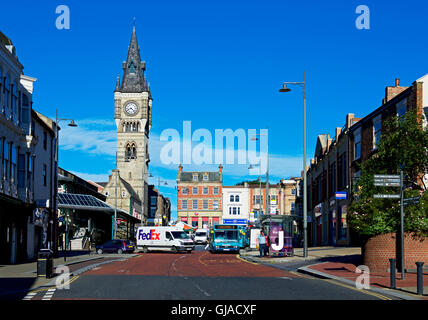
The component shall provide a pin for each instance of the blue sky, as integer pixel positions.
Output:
(218, 64)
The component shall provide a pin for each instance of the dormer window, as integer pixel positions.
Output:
(195, 177)
(205, 177)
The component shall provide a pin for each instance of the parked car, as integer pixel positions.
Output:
(116, 246)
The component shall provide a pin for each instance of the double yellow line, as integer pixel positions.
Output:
(68, 282)
(359, 290)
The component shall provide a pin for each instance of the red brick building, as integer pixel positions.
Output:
(199, 197)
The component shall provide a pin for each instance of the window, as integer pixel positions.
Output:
(13, 160)
(377, 126)
(234, 210)
(6, 92)
(107, 194)
(232, 198)
(131, 151)
(30, 172)
(153, 212)
(205, 204)
(205, 190)
(205, 177)
(25, 109)
(1, 90)
(6, 157)
(195, 190)
(257, 199)
(293, 191)
(195, 204)
(45, 173)
(184, 204)
(401, 108)
(195, 177)
(230, 210)
(14, 98)
(123, 194)
(21, 171)
(215, 204)
(236, 198)
(357, 144)
(215, 190)
(153, 200)
(185, 190)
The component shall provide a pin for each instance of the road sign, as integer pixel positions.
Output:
(386, 183)
(410, 201)
(341, 195)
(387, 176)
(386, 196)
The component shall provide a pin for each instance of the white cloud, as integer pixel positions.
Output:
(99, 137)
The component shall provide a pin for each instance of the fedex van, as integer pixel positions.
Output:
(163, 239)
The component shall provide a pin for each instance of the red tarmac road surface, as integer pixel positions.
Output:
(196, 264)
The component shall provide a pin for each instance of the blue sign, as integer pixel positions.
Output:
(235, 221)
(341, 195)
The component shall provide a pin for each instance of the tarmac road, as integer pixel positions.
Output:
(199, 275)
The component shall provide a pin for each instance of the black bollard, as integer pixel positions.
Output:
(392, 273)
(420, 278)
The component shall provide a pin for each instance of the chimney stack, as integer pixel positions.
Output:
(391, 92)
(397, 82)
(220, 168)
(180, 168)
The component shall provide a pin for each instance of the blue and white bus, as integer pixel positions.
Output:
(226, 238)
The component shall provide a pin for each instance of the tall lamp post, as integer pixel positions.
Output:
(267, 165)
(260, 183)
(305, 208)
(53, 235)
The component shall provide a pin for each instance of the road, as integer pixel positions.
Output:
(199, 275)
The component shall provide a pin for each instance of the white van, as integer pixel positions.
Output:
(163, 238)
(201, 236)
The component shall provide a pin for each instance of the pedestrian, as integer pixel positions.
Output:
(261, 239)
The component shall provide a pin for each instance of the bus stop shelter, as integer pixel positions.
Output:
(85, 218)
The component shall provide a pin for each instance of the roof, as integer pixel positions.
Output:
(188, 176)
(86, 202)
(5, 40)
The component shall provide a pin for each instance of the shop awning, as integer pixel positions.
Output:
(87, 202)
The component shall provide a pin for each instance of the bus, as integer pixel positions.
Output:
(226, 237)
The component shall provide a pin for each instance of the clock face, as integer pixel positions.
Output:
(131, 108)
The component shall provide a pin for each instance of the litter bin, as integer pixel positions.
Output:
(45, 263)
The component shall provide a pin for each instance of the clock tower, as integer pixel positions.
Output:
(133, 117)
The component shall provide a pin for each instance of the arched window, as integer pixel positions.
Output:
(130, 151)
(232, 198)
(236, 198)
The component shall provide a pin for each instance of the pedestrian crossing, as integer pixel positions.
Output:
(40, 295)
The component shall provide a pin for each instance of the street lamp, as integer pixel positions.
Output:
(254, 138)
(71, 124)
(260, 184)
(305, 209)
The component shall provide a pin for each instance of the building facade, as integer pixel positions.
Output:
(133, 117)
(159, 211)
(200, 197)
(236, 209)
(19, 151)
(327, 175)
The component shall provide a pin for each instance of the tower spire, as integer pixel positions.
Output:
(133, 68)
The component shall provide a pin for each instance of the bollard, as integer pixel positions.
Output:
(420, 278)
(392, 273)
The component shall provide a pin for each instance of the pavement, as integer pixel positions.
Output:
(340, 264)
(19, 278)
